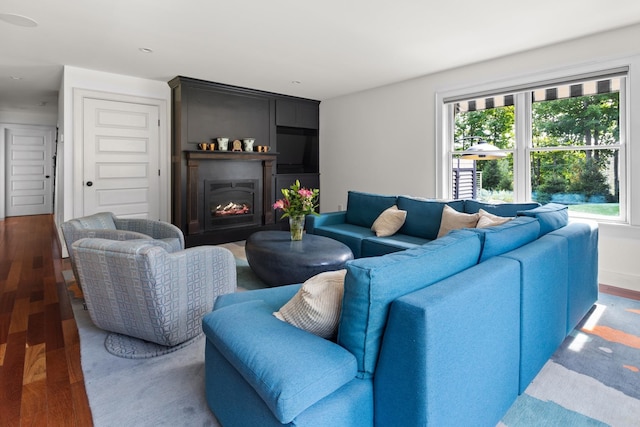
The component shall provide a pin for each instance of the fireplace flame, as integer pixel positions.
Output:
(231, 208)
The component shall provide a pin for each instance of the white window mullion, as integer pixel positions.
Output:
(521, 157)
(444, 150)
(624, 157)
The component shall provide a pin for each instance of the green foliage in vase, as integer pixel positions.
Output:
(298, 201)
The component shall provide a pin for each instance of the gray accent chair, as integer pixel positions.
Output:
(106, 225)
(139, 289)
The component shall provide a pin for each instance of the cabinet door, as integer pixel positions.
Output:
(299, 114)
(307, 115)
(285, 113)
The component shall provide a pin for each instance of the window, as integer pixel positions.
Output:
(560, 141)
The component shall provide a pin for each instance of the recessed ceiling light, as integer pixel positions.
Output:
(16, 78)
(146, 50)
(295, 82)
(19, 20)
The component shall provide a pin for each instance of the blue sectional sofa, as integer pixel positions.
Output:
(444, 333)
(353, 226)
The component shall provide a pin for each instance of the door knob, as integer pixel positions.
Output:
(89, 183)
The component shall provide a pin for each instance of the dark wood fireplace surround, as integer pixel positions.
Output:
(196, 210)
(203, 111)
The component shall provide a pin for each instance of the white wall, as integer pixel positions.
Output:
(383, 140)
(47, 117)
(78, 78)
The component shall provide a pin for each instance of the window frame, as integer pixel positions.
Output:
(520, 88)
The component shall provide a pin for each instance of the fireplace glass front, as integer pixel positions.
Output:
(231, 204)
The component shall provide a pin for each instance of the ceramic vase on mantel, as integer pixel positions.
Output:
(296, 225)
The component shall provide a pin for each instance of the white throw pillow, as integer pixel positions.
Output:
(489, 220)
(389, 222)
(452, 220)
(317, 304)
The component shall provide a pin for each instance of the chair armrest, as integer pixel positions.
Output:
(210, 268)
(111, 234)
(329, 218)
(72, 235)
(155, 229)
(290, 369)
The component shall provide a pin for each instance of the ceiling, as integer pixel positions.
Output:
(315, 50)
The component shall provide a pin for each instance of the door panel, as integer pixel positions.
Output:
(121, 158)
(29, 162)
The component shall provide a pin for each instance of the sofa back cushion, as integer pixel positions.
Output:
(364, 208)
(424, 216)
(500, 209)
(551, 216)
(511, 235)
(372, 284)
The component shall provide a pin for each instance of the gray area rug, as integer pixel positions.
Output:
(570, 390)
(166, 390)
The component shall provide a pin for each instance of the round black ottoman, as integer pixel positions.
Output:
(277, 260)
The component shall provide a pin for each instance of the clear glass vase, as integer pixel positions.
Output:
(296, 225)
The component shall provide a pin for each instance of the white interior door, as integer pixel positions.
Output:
(121, 158)
(29, 165)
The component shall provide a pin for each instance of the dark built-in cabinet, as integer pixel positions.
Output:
(203, 111)
(297, 114)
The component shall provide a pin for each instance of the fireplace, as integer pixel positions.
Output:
(231, 204)
(228, 195)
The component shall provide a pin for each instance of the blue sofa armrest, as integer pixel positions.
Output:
(290, 369)
(450, 351)
(274, 297)
(329, 218)
(582, 240)
(551, 216)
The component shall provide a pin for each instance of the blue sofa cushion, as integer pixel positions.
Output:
(543, 298)
(457, 340)
(372, 284)
(327, 218)
(503, 238)
(551, 216)
(424, 216)
(290, 369)
(364, 208)
(500, 209)
(377, 246)
(349, 234)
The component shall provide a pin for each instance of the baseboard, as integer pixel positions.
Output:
(619, 280)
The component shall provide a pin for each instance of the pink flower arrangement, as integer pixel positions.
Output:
(297, 201)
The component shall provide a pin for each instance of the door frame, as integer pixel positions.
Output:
(164, 161)
(8, 126)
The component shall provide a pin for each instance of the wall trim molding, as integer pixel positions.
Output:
(619, 280)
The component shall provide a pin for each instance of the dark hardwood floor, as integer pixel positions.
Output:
(41, 381)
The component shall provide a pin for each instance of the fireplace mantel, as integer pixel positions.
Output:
(230, 155)
(196, 158)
